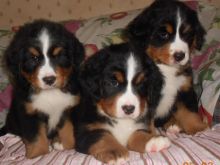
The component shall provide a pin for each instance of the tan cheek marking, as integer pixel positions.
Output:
(191, 123)
(40, 146)
(33, 51)
(29, 108)
(57, 50)
(109, 105)
(66, 135)
(107, 149)
(159, 54)
(119, 76)
(62, 75)
(32, 78)
(187, 84)
(169, 28)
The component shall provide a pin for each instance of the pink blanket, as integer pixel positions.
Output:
(203, 148)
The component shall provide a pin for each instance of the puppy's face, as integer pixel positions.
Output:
(169, 30)
(116, 79)
(44, 54)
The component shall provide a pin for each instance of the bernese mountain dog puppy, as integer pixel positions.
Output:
(43, 60)
(168, 31)
(118, 99)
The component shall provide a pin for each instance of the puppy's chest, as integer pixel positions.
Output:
(53, 103)
(172, 84)
(122, 129)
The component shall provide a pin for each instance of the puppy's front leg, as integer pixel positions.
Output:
(39, 146)
(145, 141)
(108, 150)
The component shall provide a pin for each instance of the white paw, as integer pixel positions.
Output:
(119, 161)
(173, 129)
(58, 146)
(156, 144)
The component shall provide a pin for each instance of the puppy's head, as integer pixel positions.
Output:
(43, 55)
(119, 82)
(168, 31)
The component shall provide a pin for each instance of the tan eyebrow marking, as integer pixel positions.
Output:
(57, 50)
(33, 51)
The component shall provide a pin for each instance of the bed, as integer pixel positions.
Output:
(101, 23)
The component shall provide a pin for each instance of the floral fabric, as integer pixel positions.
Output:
(99, 32)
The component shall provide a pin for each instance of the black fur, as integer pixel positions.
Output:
(18, 59)
(147, 29)
(143, 29)
(95, 80)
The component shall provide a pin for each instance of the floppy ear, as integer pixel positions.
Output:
(90, 76)
(78, 51)
(12, 58)
(199, 35)
(139, 26)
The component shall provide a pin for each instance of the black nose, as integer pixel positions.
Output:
(49, 80)
(179, 56)
(128, 109)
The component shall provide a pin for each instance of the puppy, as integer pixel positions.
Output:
(118, 98)
(168, 31)
(43, 61)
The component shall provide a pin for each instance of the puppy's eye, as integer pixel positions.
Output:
(35, 58)
(111, 82)
(163, 35)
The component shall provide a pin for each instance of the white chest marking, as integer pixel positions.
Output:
(53, 103)
(171, 86)
(123, 129)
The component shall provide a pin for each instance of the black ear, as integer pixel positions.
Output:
(12, 57)
(91, 74)
(140, 26)
(199, 35)
(78, 51)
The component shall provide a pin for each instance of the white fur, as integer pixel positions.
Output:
(173, 129)
(118, 161)
(123, 129)
(178, 45)
(128, 97)
(58, 146)
(46, 69)
(53, 102)
(171, 86)
(156, 144)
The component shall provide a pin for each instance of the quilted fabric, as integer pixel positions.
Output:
(101, 31)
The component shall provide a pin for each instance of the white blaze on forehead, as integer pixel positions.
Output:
(178, 45)
(45, 69)
(128, 97)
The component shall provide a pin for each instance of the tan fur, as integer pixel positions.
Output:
(66, 135)
(40, 146)
(107, 149)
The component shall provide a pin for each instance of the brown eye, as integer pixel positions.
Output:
(163, 34)
(111, 82)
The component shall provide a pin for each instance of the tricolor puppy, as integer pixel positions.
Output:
(43, 61)
(168, 31)
(118, 99)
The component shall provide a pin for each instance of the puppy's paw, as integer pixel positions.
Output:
(58, 146)
(156, 144)
(114, 156)
(173, 129)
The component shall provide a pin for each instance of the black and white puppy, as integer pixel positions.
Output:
(118, 98)
(168, 31)
(43, 60)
